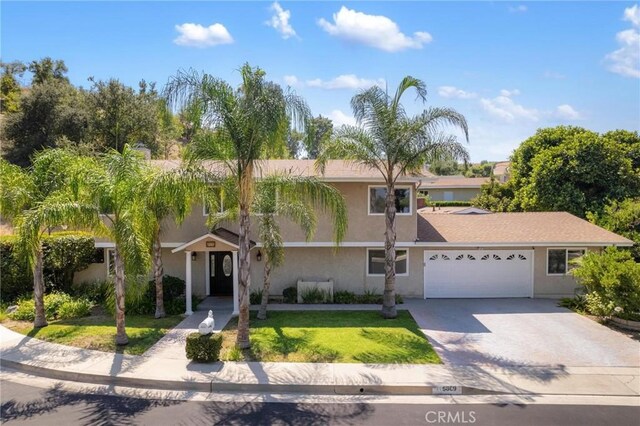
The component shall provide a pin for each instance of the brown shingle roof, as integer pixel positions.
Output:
(455, 182)
(535, 228)
(335, 170)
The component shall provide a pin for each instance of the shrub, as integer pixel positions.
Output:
(399, 299)
(577, 303)
(95, 291)
(452, 203)
(64, 253)
(344, 297)
(140, 296)
(56, 306)
(290, 295)
(611, 280)
(255, 298)
(369, 297)
(315, 295)
(204, 348)
(74, 309)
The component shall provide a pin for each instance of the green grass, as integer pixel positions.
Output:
(332, 336)
(98, 332)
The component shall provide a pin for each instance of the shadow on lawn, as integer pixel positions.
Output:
(403, 348)
(283, 345)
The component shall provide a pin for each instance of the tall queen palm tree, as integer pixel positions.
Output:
(245, 124)
(387, 139)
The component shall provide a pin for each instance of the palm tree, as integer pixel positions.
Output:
(295, 198)
(387, 139)
(168, 193)
(117, 183)
(39, 200)
(245, 125)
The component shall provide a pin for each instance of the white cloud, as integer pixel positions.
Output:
(509, 93)
(280, 21)
(451, 92)
(567, 113)
(372, 30)
(344, 81)
(291, 80)
(518, 9)
(196, 35)
(632, 14)
(339, 118)
(505, 109)
(626, 60)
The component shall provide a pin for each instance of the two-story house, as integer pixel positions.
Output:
(468, 253)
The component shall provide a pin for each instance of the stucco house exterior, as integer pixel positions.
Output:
(453, 188)
(460, 254)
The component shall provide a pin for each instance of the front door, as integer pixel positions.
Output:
(221, 270)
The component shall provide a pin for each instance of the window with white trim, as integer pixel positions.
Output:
(375, 262)
(559, 261)
(378, 195)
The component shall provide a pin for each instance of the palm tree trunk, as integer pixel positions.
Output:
(242, 340)
(38, 291)
(158, 271)
(121, 334)
(262, 313)
(389, 296)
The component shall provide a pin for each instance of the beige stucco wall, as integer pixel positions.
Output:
(346, 266)
(459, 194)
(552, 286)
(361, 225)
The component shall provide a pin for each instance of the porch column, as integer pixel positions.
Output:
(189, 291)
(236, 303)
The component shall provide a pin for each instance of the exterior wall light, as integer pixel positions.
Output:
(259, 256)
(194, 256)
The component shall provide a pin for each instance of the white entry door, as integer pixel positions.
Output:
(478, 273)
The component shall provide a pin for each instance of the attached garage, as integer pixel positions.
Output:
(478, 273)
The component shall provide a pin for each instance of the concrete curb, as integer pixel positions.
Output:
(213, 386)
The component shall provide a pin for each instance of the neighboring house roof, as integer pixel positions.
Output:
(535, 228)
(335, 170)
(454, 182)
(501, 168)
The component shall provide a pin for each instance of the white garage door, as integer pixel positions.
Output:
(478, 273)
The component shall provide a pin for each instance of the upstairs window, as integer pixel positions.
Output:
(378, 195)
(559, 261)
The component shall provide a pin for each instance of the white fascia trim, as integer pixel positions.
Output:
(521, 244)
(109, 244)
(343, 244)
(407, 180)
(449, 187)
(183, 246)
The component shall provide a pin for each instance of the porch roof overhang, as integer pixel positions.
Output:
(220, 239)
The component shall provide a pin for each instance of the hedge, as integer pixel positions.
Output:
(204, 348)
(64, 254)
(451, 203)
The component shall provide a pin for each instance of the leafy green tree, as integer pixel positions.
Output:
(319, 132)
(484, 169)
(46, 70)
(621, 217)
(494, 196)
(390, 141)
(120, 115)
(49, 112)
(247, 124)
(295, 140)
(571, 169)
(10, 89)
(444, 167)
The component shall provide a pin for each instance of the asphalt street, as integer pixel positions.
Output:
(23, 404)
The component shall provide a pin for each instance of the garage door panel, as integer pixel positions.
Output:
(478, 273)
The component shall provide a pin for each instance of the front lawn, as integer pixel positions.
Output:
(98, 332)
(331, 336)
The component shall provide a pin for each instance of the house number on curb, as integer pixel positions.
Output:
(447, 390)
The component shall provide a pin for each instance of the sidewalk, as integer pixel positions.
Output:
(153, 371)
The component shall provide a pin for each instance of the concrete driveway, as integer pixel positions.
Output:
(519, 332)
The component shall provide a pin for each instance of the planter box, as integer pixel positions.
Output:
(626, 324)
(326, 286)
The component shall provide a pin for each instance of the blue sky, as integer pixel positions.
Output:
(509, 67)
